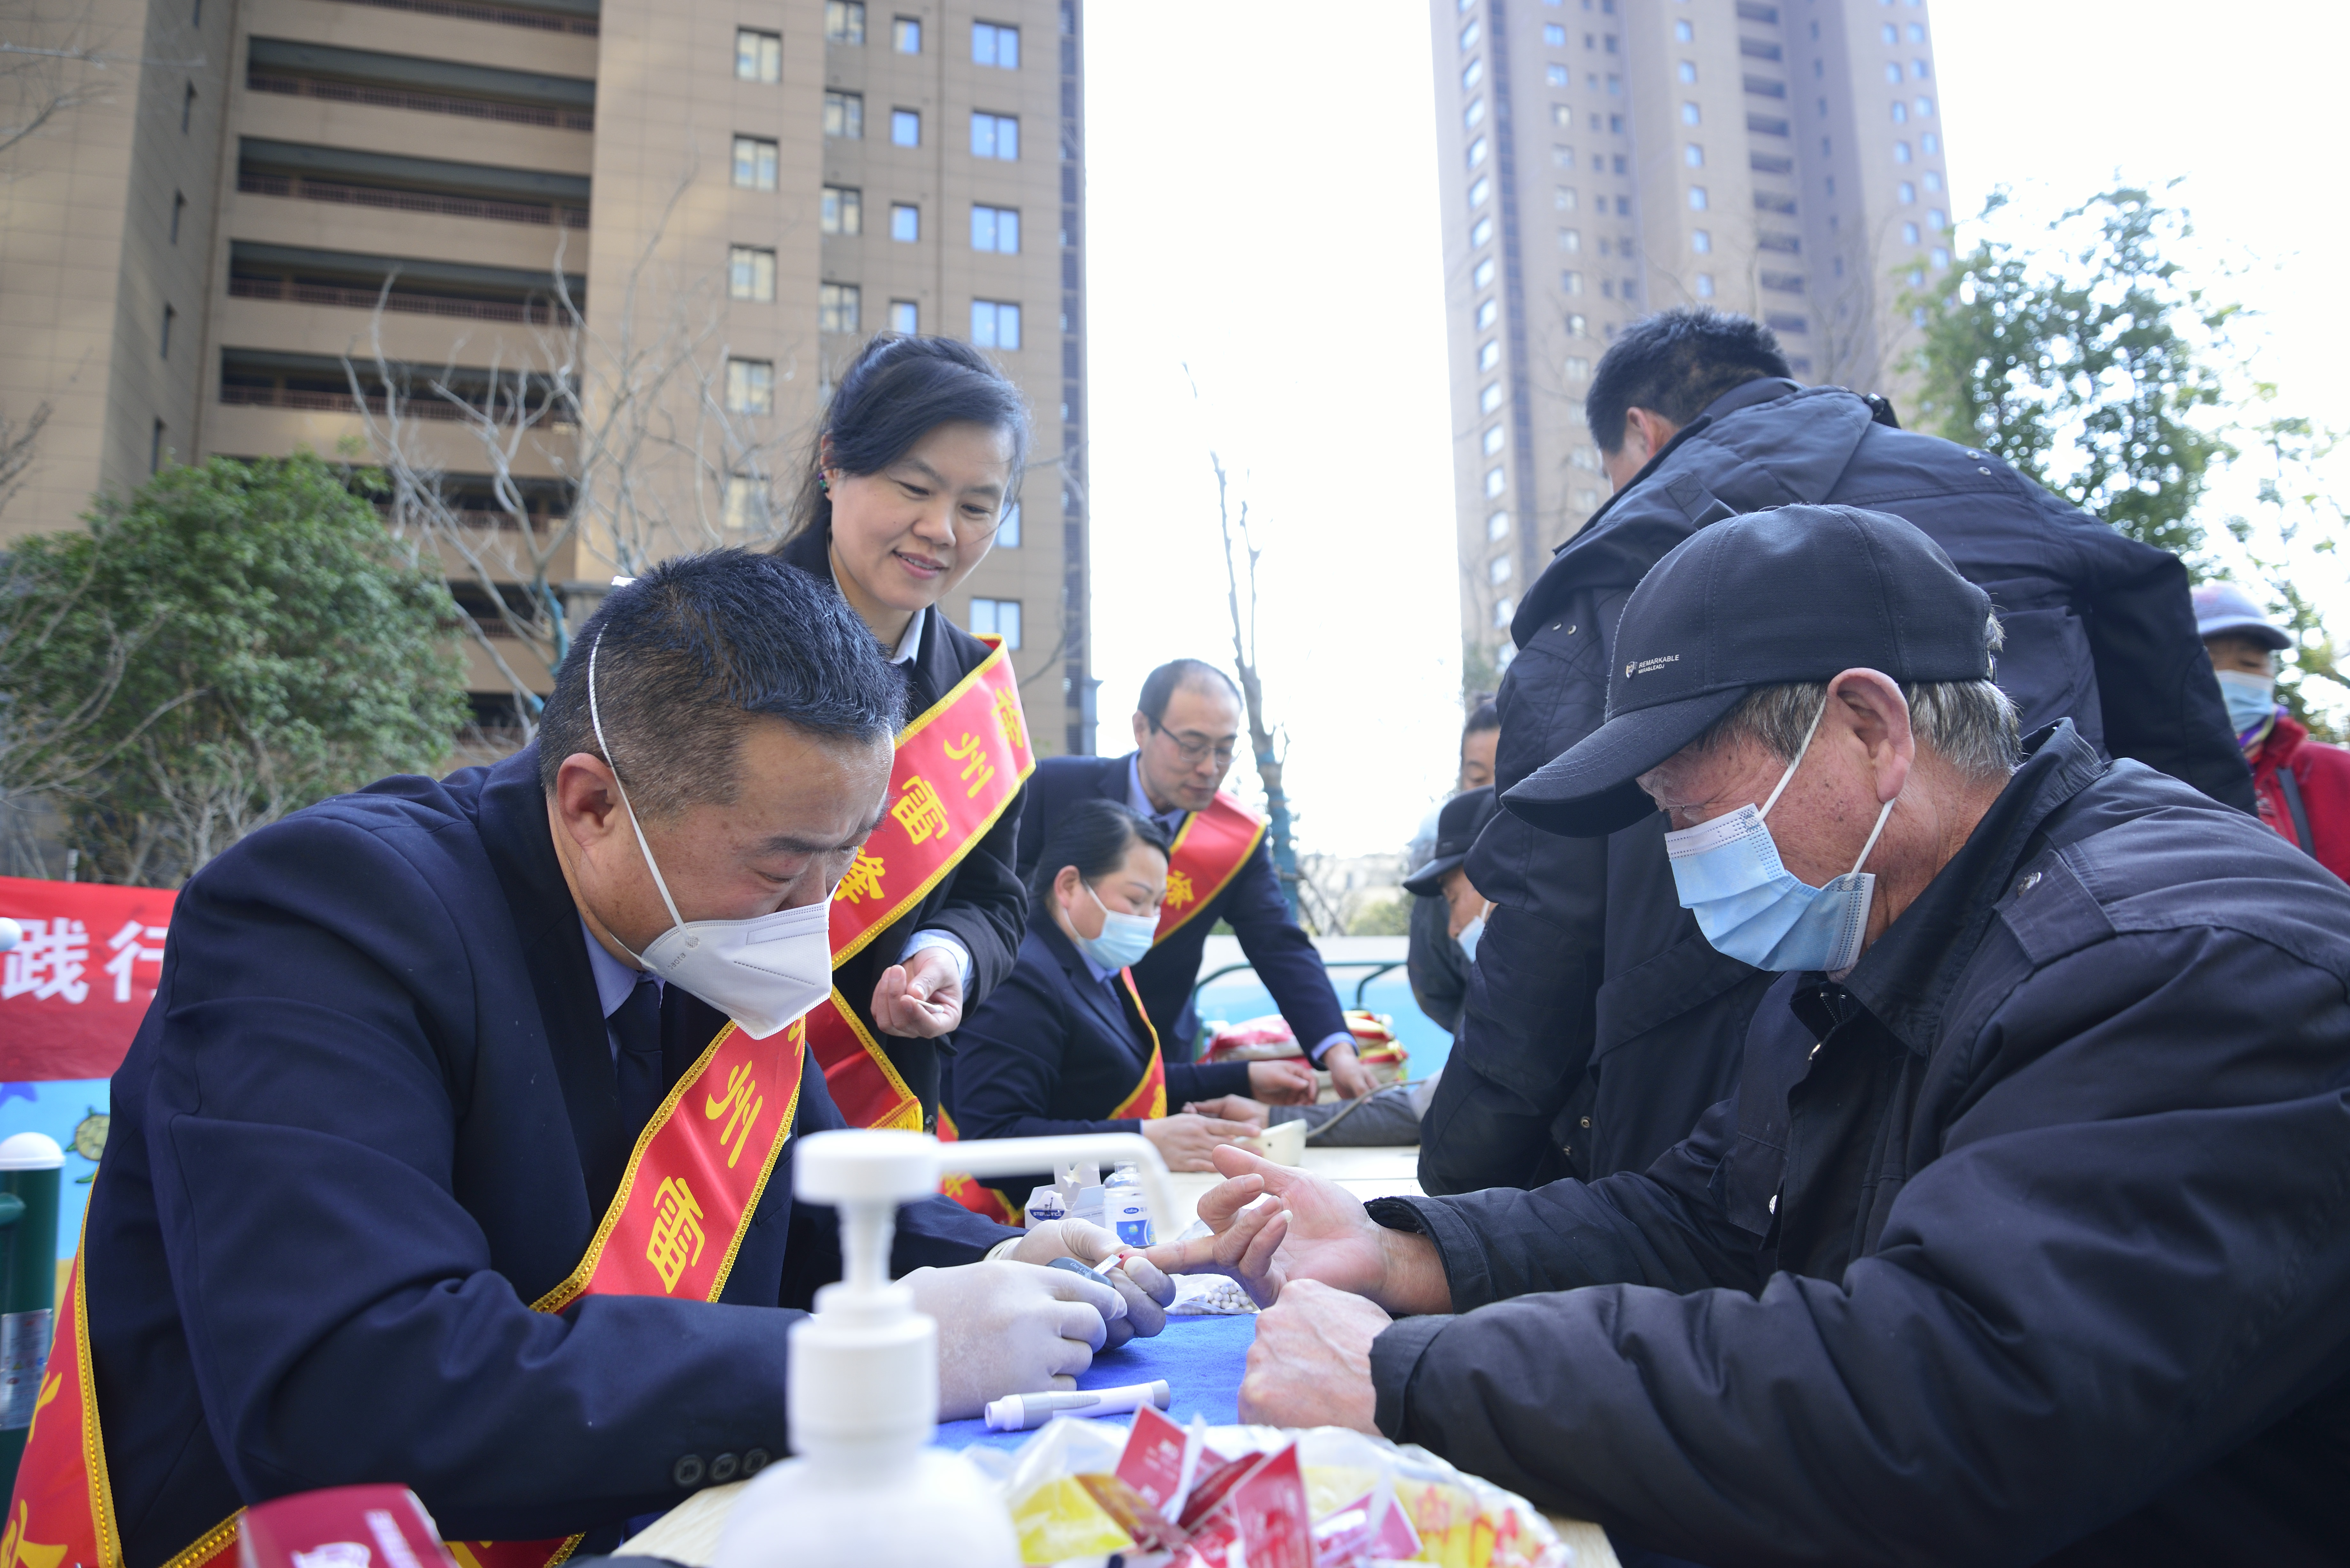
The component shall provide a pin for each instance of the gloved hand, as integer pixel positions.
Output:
(1010, 1328)
(1144, 1288)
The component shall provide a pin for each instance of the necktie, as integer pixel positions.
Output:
(636, 1025)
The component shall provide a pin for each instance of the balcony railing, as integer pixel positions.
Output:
(427, 102)
(303, 188)
(536, 312)
(423, 405)
(502, 15)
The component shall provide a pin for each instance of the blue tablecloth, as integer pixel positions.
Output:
(1201, 1358)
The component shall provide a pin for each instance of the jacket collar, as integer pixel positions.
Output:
(1907, 976)
(945, 654)
(1097, 995)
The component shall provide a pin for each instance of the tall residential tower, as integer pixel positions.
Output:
(1602, 159)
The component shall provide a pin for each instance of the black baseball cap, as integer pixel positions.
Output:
(1793, 595)
(1464, 816)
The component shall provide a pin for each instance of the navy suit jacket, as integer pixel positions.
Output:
(1052, 1051)
(369, 1117)
(1284, 956)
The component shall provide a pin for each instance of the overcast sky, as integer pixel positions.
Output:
(1261, 186)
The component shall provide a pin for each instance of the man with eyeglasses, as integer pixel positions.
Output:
(1185, 734)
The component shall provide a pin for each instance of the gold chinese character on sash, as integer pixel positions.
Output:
(17, 1552)
(1007, 721)
(744, 1099)
(863, 881)
(921, 810)
(1179, 889)
(974, 762)
(677, 1239)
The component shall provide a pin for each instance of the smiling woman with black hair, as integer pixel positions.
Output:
(918, 457)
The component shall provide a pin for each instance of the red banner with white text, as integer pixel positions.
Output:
(75, 986)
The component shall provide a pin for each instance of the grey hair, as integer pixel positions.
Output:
(1969, 724)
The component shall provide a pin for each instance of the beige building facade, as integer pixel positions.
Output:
(630, 243)
(1600, 159)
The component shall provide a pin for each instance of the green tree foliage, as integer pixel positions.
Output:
(285, 651)
(2085, 365)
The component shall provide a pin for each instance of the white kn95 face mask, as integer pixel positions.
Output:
(766, 972)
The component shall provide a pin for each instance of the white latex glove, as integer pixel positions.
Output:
(1144, 1288)
(1010, 1328)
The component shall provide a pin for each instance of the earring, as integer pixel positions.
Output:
(824, 483)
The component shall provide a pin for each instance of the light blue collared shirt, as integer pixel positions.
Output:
(614, 983)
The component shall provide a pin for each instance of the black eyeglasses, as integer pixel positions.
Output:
(1199, 748)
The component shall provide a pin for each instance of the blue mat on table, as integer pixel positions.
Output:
(1201, 1359)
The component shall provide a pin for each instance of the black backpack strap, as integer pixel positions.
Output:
(2292, 787)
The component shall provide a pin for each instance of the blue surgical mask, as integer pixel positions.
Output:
(2250, 699)
(1753, 909)
(1468, 937)
(1124, 938)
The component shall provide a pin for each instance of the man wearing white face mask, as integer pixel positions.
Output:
(456, 1147)
(2022, 1237)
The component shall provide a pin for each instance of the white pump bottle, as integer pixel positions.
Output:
(866, 1489)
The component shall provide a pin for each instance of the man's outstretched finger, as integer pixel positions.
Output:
(1221, 1202)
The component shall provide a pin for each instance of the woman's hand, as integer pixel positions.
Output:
(1233, 1108)
(920, 999)
(1187, 1142)
(1284, 1081)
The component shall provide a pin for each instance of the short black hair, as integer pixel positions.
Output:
(896, 391)
(1161, 684)
(1676, 362)
(1486, 717)
(690, 652)
(1093, 836)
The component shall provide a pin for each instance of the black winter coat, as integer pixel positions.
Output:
(980, 903)
(2032, 1236)
(1599, 1024)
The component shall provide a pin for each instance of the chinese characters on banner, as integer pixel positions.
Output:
(75, 987)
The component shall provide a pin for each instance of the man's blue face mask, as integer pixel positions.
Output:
(1751, 908)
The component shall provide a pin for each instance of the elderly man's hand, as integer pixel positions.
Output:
(1348, 1076)
(1311, 1364)
(920, 999)
(1307, 1228)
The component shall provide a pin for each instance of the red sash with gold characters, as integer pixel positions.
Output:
(1209, 853)
(691, 1186)
(958, 766)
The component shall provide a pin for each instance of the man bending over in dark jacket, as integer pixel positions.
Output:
(1598, 1024)
(2025, 1232)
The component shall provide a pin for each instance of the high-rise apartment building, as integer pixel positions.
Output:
(232, 199)
(1602, 159)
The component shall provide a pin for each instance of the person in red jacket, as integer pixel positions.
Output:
(2303, 785)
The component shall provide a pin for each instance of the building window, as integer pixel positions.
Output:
(994, 324)
(844, 21)
(905, 127)
(1925, 107)
(750, 272)
(1479, 231)
(1489, 355)
(755, 163)
(1687, 71)
(758, 57)
(1935, 221)
(1908, 233)
(746, 505)
(906, 34)
(1478, 192)
(750, 386)
(1556, 76)
(1554, 35)
(1563, 115)
(1933, 179)
(1900, 112)
(838, 307)
(843, 115)
(1486, 313)
(1906, 193)
(1477, 151)
(1495, 481)
(1570, 239)
(995, 136)
(1475, 115)
(1482, 277)
(1901, 152)
(904, 319)
(1497, 570)
(1705, 285)
(996, 229)
(991, 45)
(1691, 115)
(1472, 73)
(1920, 70)
(1570, 282)
(1890, 34)
(1578, 368)
(996, 617)
(1929, 144)
(1562, 198)
(1683, 33)
(1007, 532)
(1493, 439)
(170, 316)
(905, 222)
(1917, 33)
(843, 210)
(1938, 256)
(1490, 398)
(1701, 241)
(1696, 198)
(1575, 326)
(187, 109)
(1497, 526)
(179, 206)
(155, 450)
(1504, 611)
(1470, 35)
(1892, 73)
(1693, 155)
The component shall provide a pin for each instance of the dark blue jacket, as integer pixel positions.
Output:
(1284, 956)
(1599, 1023)
(1051, 1051)
(369, 1117)
(2032, 1237)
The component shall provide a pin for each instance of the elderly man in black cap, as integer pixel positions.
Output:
(2025, 1234)
(1446, 912)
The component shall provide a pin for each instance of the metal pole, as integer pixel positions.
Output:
(31, 1165)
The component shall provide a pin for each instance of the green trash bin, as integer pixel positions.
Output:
(31, 1165)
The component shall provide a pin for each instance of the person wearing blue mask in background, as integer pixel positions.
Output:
(1064, 1045)
(1448, 913)
(2303, 785)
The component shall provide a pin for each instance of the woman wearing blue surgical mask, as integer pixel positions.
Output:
(1064, 1045)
